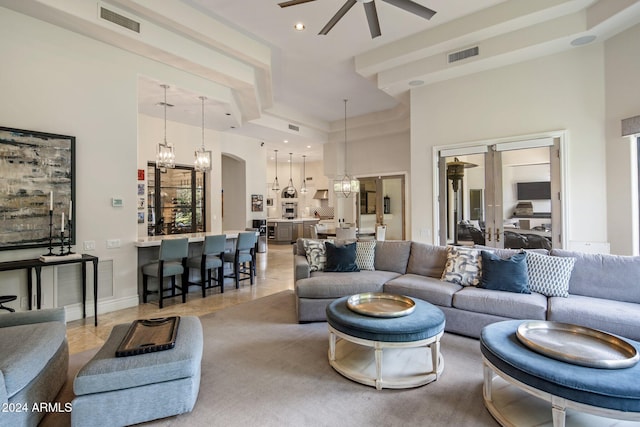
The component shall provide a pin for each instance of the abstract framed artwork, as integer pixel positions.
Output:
(37, 174)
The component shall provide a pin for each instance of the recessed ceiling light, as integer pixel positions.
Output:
(416, 82)
(580, 41)
(299, 26)
(308, 146)
(286, 141)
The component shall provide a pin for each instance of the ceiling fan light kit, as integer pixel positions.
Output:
(370, 11)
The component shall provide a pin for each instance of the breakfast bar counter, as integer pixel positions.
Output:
(149, 246)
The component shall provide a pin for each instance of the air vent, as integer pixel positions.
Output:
(464, 54)
(116, 18)
(294, 127)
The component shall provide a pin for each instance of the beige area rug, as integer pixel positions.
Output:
(261, 368)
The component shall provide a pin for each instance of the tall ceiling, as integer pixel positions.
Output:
(265, 80)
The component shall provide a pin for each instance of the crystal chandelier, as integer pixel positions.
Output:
(346, 185)
(202, 161)
(303, 188)
(165, 157)
(276, 184)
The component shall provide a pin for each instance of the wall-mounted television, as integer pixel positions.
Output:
(534, 190)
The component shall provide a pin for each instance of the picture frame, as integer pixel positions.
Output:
(41, 171)
(256, 203)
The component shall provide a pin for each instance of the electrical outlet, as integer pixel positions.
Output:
(113, 243)
(89, 245)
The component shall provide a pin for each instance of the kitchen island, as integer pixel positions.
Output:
(287, 231)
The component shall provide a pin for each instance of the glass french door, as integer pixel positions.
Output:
(504, 195)
(381, 202)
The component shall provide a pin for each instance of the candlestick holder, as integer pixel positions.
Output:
(69, 252)
(61, 243)
(50, 233)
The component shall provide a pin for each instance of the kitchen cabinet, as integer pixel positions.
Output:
(176, 200)
(284, 232)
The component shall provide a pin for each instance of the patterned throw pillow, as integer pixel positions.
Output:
(549, 275)
(366, 254)
(463, 267)
(315, 252)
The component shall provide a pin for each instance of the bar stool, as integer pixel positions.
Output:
(211, 257)
(244, 253)
(7, 298)
(172, 262)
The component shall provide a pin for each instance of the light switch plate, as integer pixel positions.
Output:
(117, 202)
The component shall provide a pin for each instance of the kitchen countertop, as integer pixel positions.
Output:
(151, 241)
(291, 220)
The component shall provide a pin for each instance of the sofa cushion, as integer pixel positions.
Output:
(427, 260)
(613, 277)
(393, 255)
(508, 274)
(366, 254)
(549, 275)
(341, 259)
(463, 267)
(31, 347)
(335, 285)
(616, 317)
(425, 288)
(315, 253)
(500, 303)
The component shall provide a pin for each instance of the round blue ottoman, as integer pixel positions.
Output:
(356, 344)
(613, 393)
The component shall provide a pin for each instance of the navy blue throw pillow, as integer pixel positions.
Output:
(340, 258)
(505, 274)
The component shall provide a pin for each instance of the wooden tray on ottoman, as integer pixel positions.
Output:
(149, 335)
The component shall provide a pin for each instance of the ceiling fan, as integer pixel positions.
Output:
(370, 10)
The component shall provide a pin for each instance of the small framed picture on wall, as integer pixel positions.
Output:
(256, 203)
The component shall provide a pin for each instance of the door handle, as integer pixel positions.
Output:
(497, 234)
(487, 234)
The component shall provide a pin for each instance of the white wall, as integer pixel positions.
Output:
(563, 91)
(622, 70)
(60, 82)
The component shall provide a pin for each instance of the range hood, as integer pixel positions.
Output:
(321, 195)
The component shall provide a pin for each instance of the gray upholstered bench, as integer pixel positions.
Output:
(117, 391)
(407, 365)
(613, 393)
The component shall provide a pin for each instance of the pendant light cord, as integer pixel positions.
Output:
(345, 137)
(165, 114)
(202, 98)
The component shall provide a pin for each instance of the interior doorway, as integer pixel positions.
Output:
(234, 193)
(504, 194)
(382, 202)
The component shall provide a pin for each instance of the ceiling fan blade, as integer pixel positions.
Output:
(412, 7)
(333, 21)
(293, 2)
(372, 19)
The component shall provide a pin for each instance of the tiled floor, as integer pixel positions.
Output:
(274, 274)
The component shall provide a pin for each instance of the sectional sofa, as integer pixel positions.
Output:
(34, 357)
(603, 290)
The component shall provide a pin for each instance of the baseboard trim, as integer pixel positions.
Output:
(74, 311)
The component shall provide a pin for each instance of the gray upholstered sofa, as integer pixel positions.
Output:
(34, 358)
(604, 290)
